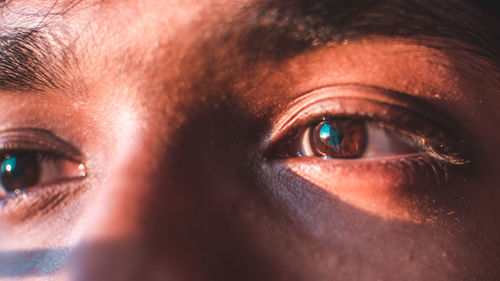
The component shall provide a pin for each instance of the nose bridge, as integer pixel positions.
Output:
(154, 215)
(136, 216)
(140, 181)
(172, 204)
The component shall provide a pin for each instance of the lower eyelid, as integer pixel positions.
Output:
(383, 188)
(38, 201)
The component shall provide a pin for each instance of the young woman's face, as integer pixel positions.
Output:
(236, 140)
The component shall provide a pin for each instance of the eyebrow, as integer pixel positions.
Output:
(29, 61)
(276, 30)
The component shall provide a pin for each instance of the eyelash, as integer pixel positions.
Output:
(435, 144)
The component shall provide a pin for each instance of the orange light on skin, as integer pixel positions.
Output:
(376, 187)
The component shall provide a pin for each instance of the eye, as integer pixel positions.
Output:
(356, 122)
(31, 158)
(343, 138)
(376, 150)
(25, 169)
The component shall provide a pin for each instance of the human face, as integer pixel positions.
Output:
(244, 140)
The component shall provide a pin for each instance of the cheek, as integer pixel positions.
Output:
(391, 189)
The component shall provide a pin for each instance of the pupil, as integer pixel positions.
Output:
(19, 171)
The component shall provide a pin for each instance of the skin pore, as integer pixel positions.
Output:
(188, 117)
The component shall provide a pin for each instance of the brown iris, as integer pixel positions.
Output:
(18, 171)
(338, 138)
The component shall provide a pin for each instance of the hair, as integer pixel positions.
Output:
(284, 27)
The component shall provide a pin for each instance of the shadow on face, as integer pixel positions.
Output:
(214, 141)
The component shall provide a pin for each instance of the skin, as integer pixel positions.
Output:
(179, 185)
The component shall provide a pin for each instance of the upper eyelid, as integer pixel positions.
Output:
(305, 102)
(38, 140)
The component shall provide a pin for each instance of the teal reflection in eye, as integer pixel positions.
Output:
(330, 135)
(9, 165)
(18, 171)
(334, 138)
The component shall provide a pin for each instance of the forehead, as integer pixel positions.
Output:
(90, 24)
(137, 41)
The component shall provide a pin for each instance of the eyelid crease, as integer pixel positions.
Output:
(31, 139)
(362, 92)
